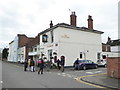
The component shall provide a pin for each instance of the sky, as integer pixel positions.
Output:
(30, 17)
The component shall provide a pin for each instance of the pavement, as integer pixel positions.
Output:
(102, 80)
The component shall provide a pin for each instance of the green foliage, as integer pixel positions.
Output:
(5, 53)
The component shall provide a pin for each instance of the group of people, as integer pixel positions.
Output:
(30, 64)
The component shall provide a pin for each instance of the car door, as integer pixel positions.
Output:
(90, 64)
(87, 63)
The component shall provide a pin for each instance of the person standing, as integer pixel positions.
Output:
(41, 66)
(58, 64)
(29, 64)
(77, 63)
(25, 65)
(32, 64)
(48, 65)
(62, 63)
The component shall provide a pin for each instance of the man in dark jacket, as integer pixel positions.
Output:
(58, 64)
(62, 63)
(25, 65)
(41, 66)
(32, 64)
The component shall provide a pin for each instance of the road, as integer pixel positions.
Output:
(13, 76)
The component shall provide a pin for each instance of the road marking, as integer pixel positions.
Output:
(63, 75)
(98, 71)
(58, 74)
(79, 80)
(93, 72)
(89, 72)
(1, 81)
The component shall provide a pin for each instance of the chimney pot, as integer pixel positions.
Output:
(90, 22)
(73, 19)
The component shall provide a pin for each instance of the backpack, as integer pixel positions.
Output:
(39, 61)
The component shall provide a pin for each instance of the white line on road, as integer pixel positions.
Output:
(89, 72)
(98, 71)
(59, 74)
(93, 72)
(1, 81)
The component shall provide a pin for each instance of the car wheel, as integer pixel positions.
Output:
(105, 65)
(84, 68)
(96, 66)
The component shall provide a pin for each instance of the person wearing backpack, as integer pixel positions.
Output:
(40, 65)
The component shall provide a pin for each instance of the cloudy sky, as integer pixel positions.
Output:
(33, 16)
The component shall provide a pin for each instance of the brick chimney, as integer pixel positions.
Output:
(51, 24)
(73, 19)
(90, 22)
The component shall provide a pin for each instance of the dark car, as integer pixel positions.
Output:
(84, 64)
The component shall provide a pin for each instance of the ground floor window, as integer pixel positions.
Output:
(81, 55)
(98, 55)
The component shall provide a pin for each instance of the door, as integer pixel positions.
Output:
(49, 54)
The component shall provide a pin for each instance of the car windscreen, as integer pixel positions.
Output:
(83, 61)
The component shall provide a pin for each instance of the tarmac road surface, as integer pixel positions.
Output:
(13, 76)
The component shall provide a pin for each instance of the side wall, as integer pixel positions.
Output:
(72, 43)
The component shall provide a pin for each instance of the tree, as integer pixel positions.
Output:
(5, 53)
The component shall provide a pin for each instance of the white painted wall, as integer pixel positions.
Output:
(110, 54)
(11, 52)
(21, 54)
(16, 49)
(71, 42)
(115, 48)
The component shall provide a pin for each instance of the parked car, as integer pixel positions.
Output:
(84, 64)
(102, 62)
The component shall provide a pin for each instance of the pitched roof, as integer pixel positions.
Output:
(114, 42)
(64, 25)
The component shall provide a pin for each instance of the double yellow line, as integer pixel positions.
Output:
(97, 86)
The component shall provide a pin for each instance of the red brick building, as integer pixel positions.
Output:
(32, 48)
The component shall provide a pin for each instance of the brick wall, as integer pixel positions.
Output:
(113, 67)
(31, 44)
(23, 40)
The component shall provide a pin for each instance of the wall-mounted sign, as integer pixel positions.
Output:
(44, 38)
(50, 46)
(65, 36)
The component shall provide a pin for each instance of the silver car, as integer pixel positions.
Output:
(102, 62)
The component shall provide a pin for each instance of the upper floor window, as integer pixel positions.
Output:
(44, 38)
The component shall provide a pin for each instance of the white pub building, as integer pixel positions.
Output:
(70, 41)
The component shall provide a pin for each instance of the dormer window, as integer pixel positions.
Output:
(45, 38)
